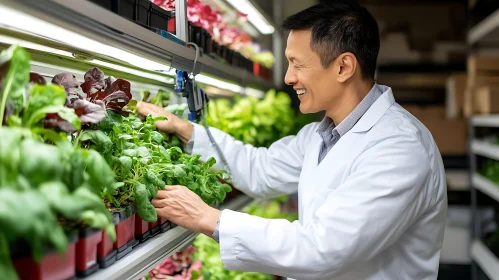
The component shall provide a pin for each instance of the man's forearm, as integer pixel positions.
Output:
(183, 129)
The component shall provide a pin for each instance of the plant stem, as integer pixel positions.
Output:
(5, 94)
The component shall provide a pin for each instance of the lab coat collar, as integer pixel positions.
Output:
(376, 111)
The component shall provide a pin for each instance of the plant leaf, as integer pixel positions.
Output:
(14, 75)
(89, 112)
(94, 81)
(144, 207)
(68, 81)
(99, 138)
(36, 78)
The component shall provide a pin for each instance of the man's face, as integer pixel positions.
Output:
(316, 86)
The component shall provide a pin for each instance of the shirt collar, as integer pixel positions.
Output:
(327, 123)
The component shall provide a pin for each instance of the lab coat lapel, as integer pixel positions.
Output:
(317, 180)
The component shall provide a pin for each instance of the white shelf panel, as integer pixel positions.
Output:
(485, 121)
(457, 180)
(148, 255)
(95, 23)
(487, 261)
(486, 31)
(485, 149)
(486, 186)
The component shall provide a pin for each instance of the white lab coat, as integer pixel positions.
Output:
(374, 208)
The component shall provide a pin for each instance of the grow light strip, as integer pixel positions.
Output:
(15, 19)
(33, 46)
(218, 83)
(254, 16)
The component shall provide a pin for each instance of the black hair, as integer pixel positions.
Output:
(338, 27)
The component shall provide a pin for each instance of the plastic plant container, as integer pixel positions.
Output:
(164, 225)
(124, 8)
(124, 230)
(159, 17)
(130, 212)
(86, 251)
(154, 228)
(106, 4)
(256, 68)
(142, 232)
(224, 52)
(52, 266)
(214, 48)
(106, 254)
(172, 25)
(142, 11)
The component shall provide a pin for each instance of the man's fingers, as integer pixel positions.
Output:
(161, 194)
(170, 188)
(143, 108)
(157, 203)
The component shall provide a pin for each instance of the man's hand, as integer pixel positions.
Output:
(183, 129)
(184, 208)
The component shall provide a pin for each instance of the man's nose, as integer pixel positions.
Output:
(290, 77)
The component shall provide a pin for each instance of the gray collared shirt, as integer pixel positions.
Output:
(330, 133)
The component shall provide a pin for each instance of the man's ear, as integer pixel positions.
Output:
(346, 65)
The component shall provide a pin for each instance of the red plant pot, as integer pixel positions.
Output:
(125, 232)
(121, 231)
(256, 68)
(141, 229)
(106, 254)
(130, 212)
(172, 25)
(53, 266)
(86, 251)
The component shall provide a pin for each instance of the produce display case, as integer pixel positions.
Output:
(74, 36)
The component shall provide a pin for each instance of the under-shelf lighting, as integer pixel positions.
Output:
(152, 76)
(203, 79)
(33, 46)
(254, 16)
(15, 19)
(254, 92)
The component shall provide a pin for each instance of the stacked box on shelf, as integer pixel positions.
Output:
(450, 135)
(481, 82)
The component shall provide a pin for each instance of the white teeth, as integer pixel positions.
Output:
(301, 91)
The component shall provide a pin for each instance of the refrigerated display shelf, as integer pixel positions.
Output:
(487, 261)
(485, 149)
(148, 255)
(95, 23)
(486, 32)
(486, 186)
(485, 121)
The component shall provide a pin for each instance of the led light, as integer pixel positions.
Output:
(254, 16)
(134, 72)
(29, 24)
(254, 92)
(218, 83)
(33, 46)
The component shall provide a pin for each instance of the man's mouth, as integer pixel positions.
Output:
(301, 91)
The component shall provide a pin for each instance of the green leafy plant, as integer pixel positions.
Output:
(254, 121)
(43, 177)
(145, 162)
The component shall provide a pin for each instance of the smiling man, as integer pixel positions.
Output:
(370, 179)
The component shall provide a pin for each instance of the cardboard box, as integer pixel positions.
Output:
(483, 63)
(472, 84)
(454, 95)
(450, 135)
(433, 111)
(487, 100)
